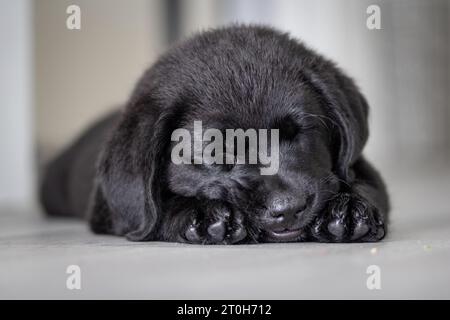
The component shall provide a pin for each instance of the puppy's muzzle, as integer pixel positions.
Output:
(283, 216)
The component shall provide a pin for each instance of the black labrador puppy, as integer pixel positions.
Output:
(120, 174)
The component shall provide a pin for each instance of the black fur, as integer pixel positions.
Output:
(235, 77)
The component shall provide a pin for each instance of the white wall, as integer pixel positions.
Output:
(82, 74)
(16, 123)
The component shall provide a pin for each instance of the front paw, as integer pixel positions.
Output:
(215, 223)
(349, 218)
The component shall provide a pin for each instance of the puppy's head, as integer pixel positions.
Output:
(277, 206)
(251, 78)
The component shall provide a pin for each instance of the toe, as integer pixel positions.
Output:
(238, 232)
(361, 228)
(378, 230)
(381, 232)
(217, 230)
(192, 234)
(337, 228)
(317, 230)
(238, 235)
(337, 225)
(361, 222)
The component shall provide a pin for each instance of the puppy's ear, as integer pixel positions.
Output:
(128, 186)
(348, 109)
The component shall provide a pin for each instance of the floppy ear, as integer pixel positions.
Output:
(127, 197)
(348, 109)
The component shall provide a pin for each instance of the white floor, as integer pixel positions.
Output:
(414, 260)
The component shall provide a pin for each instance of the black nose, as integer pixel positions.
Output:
(286, 207)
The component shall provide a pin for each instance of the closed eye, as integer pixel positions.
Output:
(288, 128)
(291, 127)
(311, 121)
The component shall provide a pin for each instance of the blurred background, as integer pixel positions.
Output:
(54, 82)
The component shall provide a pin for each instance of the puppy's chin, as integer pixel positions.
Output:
(284, 235)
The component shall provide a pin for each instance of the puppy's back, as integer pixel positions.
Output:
(68, 179)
